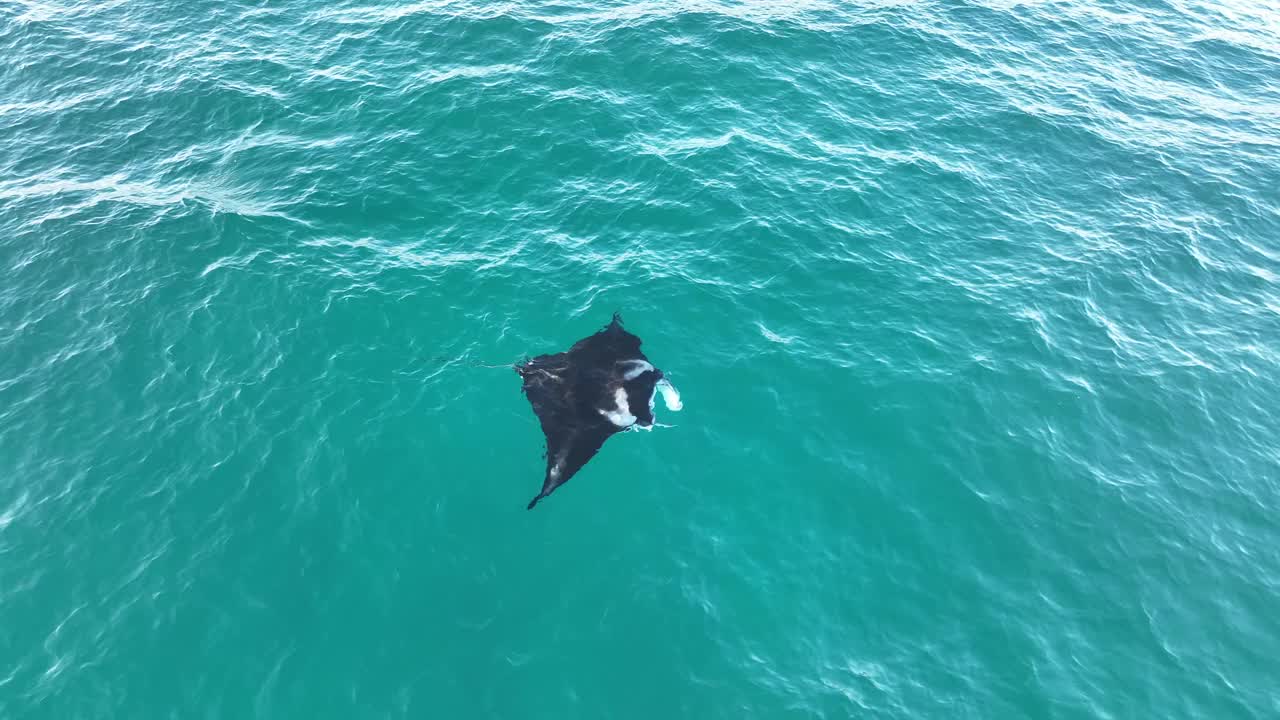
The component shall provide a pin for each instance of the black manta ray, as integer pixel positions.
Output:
(600, 386)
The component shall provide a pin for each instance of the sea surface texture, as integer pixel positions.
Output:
(974, 308)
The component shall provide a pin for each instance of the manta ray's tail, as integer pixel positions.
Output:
(534, 501)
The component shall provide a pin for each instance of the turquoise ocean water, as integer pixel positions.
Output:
(974, 308)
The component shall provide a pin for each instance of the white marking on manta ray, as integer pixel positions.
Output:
(638, 368)
(622, 416)
(670, 395)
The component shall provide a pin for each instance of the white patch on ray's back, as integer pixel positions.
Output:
(638, 368)
(621, 416)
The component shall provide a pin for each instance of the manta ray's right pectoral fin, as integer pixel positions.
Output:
(552, 481)
(567, 451)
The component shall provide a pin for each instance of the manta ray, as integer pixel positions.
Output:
(600, 386)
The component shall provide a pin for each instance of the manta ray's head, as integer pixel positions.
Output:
(640, 382)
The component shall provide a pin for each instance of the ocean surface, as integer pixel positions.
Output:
(974, 308)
